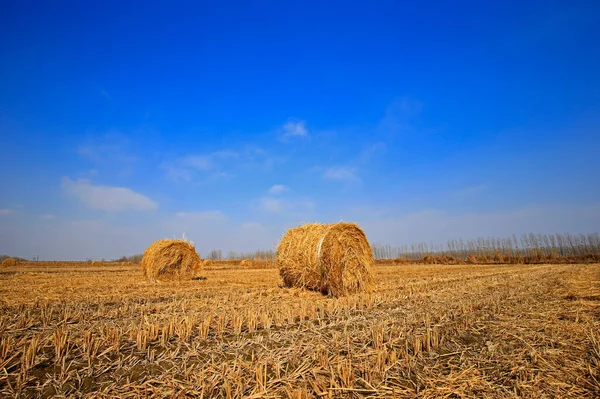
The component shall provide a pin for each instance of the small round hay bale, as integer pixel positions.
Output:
(246, 263)
(207, 262)
(9, 262)
(335, 259)
(171, 260)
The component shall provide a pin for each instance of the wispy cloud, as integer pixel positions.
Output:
(107, 198)
(278, 189)
(399, 116)
(106, 95)
(284, 206)
(255, 157)
(293, 129)
(109, 146)
(5, 211)
(177, 173)
(217, 165)
(199, 162)
(48, 217)
(405, 106)
(210, 161)
(209, 165)
(111, 150)
(342, 173)
(271, 205)
(372, 151)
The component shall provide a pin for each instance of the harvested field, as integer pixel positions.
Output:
(490, 331)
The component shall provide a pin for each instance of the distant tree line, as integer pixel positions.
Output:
(133, 258)
(217, 254)
(546, 246)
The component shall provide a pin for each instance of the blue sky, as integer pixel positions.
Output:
(126, 122)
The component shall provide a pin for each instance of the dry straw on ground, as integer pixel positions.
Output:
(263, 264)
(9, 262)
(335, 259)
(171, 260)
(468, 331)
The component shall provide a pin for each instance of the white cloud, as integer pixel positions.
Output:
(200, 162)
(272, 205)
(341, 173)
(202, 216)
(278, 189)
(48, 216)
(177, 173)
(253, 156)
(210, 161)
(372, 151)
(293, 129)
(107, 198)
(5, 212)
(282, 206)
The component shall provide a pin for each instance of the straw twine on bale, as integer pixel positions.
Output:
(171, 260)
(335, 259)
(9, 262)
(246, 263)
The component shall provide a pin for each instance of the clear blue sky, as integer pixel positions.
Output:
(126, 122)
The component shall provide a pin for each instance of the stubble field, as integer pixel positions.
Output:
(77, 330)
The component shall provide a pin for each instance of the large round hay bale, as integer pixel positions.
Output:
(171, 260)
(246, 263)
(207, 262)
(9, 262)
(335, 259)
